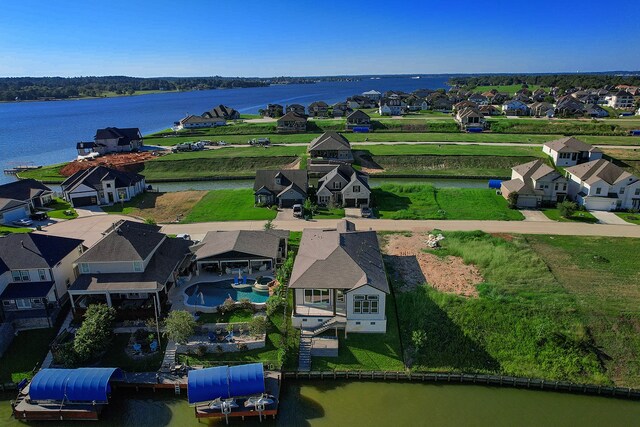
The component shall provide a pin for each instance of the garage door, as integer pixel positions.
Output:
(13, 215)
(527, 202)
(84, 201)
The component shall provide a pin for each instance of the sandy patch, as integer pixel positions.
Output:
(166, 207)
(415, 267)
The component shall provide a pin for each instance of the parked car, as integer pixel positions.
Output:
(39, 216)
(366, 212)
(298, 211)
(223, 143)
(183, 236)
(24, 222)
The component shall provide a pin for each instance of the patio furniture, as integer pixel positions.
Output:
(154, 345)
(244, 280)
(212, 337)
(229, 337)
(137, 348)
(236, 281)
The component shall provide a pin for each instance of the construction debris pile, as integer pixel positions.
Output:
(433, 241)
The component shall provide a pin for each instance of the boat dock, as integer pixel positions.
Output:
(21, 168)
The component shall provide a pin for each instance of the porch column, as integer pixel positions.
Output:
(73, 306)
(157, 306)
(334, 298)
(108, 296)
(294, 301)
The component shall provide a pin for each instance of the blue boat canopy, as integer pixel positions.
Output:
(73, 385)
(495, 183)
(223, 382)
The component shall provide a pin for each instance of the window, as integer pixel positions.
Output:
(108, 185)
(20, 276)
(598, 190)
(316, 296)
(68, 283)
(42, 274)
(340, 296)
(25, 275)
(16, 276)
(356, 188)
(8, 302)
(337, 185)
(23, 303)
(621, 190)
(365, 304)
(637, 193)
(84, 267)
(137, 266)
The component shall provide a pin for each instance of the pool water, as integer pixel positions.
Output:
(212, 294)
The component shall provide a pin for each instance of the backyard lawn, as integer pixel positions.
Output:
(579, 216)
(116, 356)
(27, 350)
(6, 229)
(228, 205)
(633, 218)
(394, 201)
(327, 213)
(59, 208)
(160, 207)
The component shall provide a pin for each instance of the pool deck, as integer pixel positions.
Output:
(178, 297)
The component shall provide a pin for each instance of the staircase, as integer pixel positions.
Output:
(334, 322)
(169, 356)
(304, 353)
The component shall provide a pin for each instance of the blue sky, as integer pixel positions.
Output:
(300, 38)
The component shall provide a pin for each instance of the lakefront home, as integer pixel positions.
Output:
(535, 184)
(29, 191)
(116, 140)
(622, 100)
(318, 109)
(470, 118)
(292, 122)
(570, 151)
(283, 188)
(602, 186)
(339, 281)
(542, 109)
(330, 146)
(372, 94)
(131, 268)
(274, 110)
(35, 272)
(194, 122)
(295, 108)
(391, 107)
(344, 186)
(222, 111)
(358, 120)
(101, 185)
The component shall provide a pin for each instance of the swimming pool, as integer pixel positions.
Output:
(212, 294)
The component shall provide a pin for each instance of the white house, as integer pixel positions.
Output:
(569, 151)
(192, 122)
(470, 117)
(339, 281)
(602, 186)
(535, 184)
(100, 185)
(35, 272)
(372, 94)
(391, 107)
(515, 108)
(621, 100)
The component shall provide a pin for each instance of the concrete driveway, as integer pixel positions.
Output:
(89, 211)
(90, 228)
(609, 218)
(534, 215)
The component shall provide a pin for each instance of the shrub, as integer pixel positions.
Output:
(246, 304)
(227, 306)
(275, 303)
(150, 221)
(269, 225)
(419, 339)
(201, 350)
(567, 208)
(179, 325)
(257, 326)
(139, 335)
(512, 199)
(95, 334)
(66, 355)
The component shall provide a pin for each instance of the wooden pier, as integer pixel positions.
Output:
(21, 168)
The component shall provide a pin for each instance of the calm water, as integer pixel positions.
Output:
(46, 132)
(380, 404)
(215, 293)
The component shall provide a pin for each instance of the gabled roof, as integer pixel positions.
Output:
(221, 111)
(570, 144)
(330, 141)
(292, 116)
(320, 104)
(601, 169)
(129, 241)
(260, 243)
(358, 115)
(348, 175)
(340, 258)
(94, 176)
(535, 169)
(123, 135)
(199, 119)
(267, 179)
(24, 189)
(623, 93)
(29, 250)
(521, 187)
(371, 92)
(8, 204)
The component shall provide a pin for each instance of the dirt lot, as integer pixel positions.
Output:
(415, 267)
(129, 162)
(162, 207)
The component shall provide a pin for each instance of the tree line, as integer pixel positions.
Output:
(32, 88)
(562, 81)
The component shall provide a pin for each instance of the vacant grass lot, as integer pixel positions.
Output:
(394, 201)
(566, 127)
(524, 322)
(27, 350)
(580, 216)
(160, 207)
(510, 89)
(601, 274)
(228, 205)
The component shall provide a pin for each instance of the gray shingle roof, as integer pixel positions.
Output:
(24, 189)
(7, 204)
(28, 250)
(339, 258)
(261, 243)
(570, 144)
(330, 141)
(267, 179)
(94, 176)
(601, 169)
(123, 135)
(130, 241)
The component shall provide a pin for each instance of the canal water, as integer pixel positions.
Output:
(372, 404)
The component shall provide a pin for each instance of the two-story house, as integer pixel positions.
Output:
(358, 101)
(330, 146)
(344, 186)
(536, 184)
(358, 121)
(542, 109)
(339, 280)
(131, 268)
(222, 111)
(101, 185)
(29, 191)
(283, 188)
(340, 109)
(116, 140)
(515, 108)
(374, 95)
(318, 109)
(274, 110)
(470, 118)
(622, 100)
(295, 108)
(391, 107)
(602, 186)
(569, 151)
(35, 272)
(292, 122)
(568, 106)
(478, 99)
(195, 122)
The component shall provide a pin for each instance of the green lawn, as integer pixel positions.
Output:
(379, 352)
(326, 213)
(633, 218)
(579, 216)
(524, 322)
(601, 274)
(450, 150)
(236, 152)
(394, 201)
(510, 89)
(6, 229)
(234, 316)
(116, 356)
(228, 205)
(60, 206)
(27, 350)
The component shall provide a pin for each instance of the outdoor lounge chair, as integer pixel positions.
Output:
(137, 348)
(244, 280)
(236, 281)
(212, 337)
(154, 345)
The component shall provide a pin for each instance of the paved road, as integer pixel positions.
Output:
(198, 230)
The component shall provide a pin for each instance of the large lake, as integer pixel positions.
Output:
(46, 132)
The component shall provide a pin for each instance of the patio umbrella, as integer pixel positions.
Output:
(201, 298)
